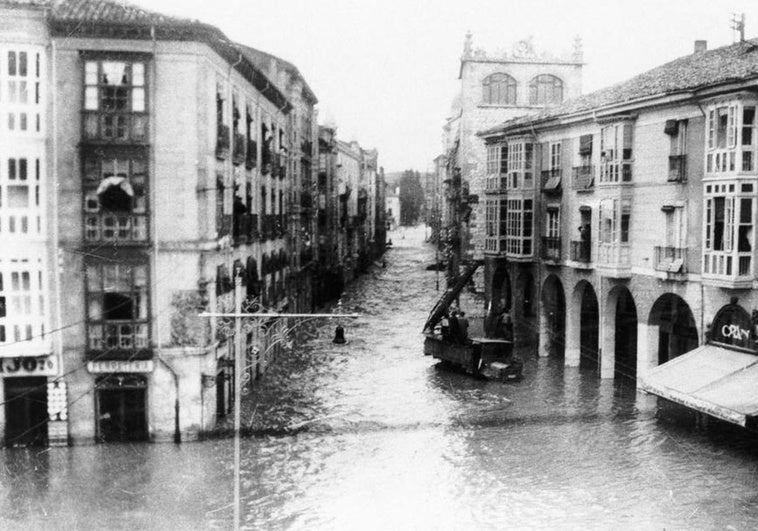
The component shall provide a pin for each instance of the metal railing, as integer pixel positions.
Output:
(551, 248)
(581, 251)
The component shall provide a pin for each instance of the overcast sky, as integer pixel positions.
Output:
(386, 70)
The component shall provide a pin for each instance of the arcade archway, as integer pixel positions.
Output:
(673, 330)
(553, 318)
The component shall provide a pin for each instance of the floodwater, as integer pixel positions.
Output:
(373, 435)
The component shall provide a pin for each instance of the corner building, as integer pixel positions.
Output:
(621, 227)
(171, 149)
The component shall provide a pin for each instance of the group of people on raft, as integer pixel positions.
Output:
(454, 326)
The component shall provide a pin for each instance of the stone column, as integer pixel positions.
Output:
(573, 334)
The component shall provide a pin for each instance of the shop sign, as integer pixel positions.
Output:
(733, 326)
(109, 366)
(29, 366)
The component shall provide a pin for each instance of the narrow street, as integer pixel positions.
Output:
(373, 435)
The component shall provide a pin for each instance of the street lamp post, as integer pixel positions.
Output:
(239, 369)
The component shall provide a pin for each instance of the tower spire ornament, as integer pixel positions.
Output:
(467, 45)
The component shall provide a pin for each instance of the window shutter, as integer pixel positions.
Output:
(671, 128)
(585, 145)
(544, 156)
(627, 153)
(731, 132)
(711, 127)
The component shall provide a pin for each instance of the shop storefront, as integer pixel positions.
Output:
(121, 399)
(25, 397)
(719, 377)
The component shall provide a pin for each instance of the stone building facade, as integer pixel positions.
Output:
(147, 162)
(494, 88)
(629, 227)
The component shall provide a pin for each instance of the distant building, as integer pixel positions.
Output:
(392, 202)
(495, 88)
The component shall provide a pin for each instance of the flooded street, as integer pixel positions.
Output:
(373, 435)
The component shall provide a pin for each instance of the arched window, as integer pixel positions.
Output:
(499, 89)
(545, 89)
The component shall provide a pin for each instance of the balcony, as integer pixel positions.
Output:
(581, 251)
(728, 269)
(672, 260)
(118, 340)
(115, 228)
(224, 224)
(238, 153)
(583, 178)
(251, 154)
(281, 162)
(551, 181)
(496, 184)
(615, 260)
(307, 148)
(222, 141)
(241, 229)
(677, 169)
(115, 127)
(616, 172)
(494, 245)
(551, 249)
(266, 158)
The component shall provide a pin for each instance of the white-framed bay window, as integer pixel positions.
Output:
(520, 165)
(730, 137)
(616, 153)
(519, 226)
(613, 235)
(729, 230)
(23, 307)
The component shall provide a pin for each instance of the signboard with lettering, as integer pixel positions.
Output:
(732, 326)
(29, 366)
(111, 366)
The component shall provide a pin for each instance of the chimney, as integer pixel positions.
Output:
(701, 46)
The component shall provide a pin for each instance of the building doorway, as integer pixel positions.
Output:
(121, 408)
(589, 316)
(553, 317)
(25, 411)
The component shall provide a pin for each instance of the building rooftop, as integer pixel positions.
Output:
(734, 63)
(262, 60)
(122, 20)
(110, 12)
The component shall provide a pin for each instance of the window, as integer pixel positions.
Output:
(519, 226)
(545, 89)
(20, 89)
(677, 130)
(20, 210)
(115, 199)
(493, 159)
(520, 165)
(730, 141)
(616, 153)
(115, 100)
(22, 304)
(729, 239)
(614, 217)
(117, 307)
(499, 89)
(552, 222)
